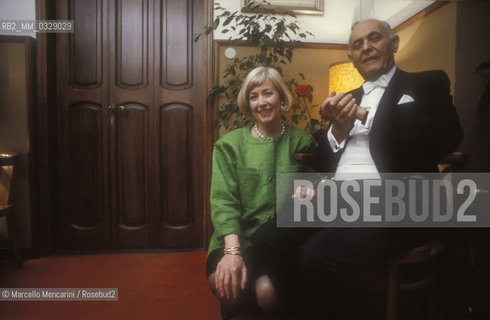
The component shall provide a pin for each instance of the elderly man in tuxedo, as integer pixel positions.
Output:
(396, 122)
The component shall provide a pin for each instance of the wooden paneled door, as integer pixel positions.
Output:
(131, 88)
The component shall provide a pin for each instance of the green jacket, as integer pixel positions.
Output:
(243, 190)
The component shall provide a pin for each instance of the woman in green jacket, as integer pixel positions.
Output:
(246, 162)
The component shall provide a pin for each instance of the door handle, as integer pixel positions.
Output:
(120, 107)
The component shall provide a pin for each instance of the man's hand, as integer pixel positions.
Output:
(340, 109)
(303, 192)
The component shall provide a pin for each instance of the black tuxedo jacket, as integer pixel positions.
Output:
(408, 137)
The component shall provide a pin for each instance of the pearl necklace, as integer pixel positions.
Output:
(262, 136)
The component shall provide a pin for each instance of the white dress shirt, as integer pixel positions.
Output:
(356, 161)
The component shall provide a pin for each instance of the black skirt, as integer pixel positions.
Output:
(274, 252)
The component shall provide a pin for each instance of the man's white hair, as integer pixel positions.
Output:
(385, 24)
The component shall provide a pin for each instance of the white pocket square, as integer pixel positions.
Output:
(405, 99)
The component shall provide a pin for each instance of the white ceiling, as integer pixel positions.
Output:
(334, 25)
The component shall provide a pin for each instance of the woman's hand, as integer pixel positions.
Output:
(231, 271)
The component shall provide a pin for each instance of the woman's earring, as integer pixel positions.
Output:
(282, 105)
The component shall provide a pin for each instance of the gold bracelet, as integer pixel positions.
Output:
(234, 253)
(232, 250)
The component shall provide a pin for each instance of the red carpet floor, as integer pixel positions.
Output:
(151, 286)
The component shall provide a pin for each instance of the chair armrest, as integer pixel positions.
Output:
(455, 161)
(306, 159)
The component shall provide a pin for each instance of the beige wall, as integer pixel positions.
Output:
(18, 10)
(314, 64)
(14, 134)
(430, 43)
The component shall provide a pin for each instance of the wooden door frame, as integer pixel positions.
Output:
(45, 217)
(210, 133)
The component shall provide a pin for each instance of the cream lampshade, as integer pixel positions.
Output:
(344, 77)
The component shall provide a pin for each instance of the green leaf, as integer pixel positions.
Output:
(228, 20)
(215, 23)
(295, 118)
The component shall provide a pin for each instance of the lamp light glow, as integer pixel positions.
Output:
(344, 77)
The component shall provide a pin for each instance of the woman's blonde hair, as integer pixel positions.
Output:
(257, 77)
